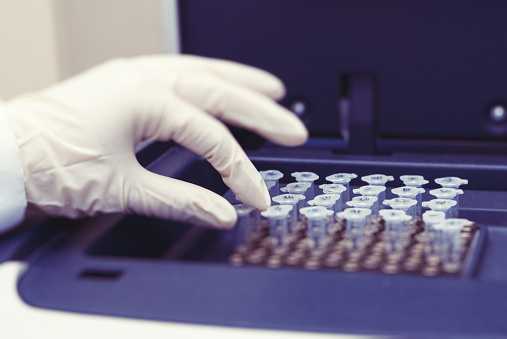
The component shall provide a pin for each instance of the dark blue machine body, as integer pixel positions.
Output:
(438, 66)
(415, 81)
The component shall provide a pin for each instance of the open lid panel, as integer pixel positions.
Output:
(417, 76)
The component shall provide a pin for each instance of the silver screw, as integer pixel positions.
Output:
(498, 113)
(298, 107)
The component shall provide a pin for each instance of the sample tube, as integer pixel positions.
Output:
(298, 188)
(411, 192)
(449, 237)
(308, 177)
(372, 191)
(441, 205)
(335, 189)
(451, 182)
(413, 180)
(317, 225)
(343, 179)
(278, 226)
(430, 219)
(291, 200)
(356, 220)
(449, 193)
(272, 175)
(271, 186)
(246, 226)
(369, 202)
(377, 179)
(405, 204)
(396, 230)
(329, 201)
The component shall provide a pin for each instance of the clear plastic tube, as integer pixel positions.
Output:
(411, 192)
(272, 188)
(405, 204)
(278, 226)
(343, 179)
(357, 220)
(329, 201)
(430, 219)
(441, 205)
(317, 225)
(396, 230)
(369, 202)
(335, 189)
(298, 188)
(372, 191)
(275, 176)
(449, 237)
(246, 225)
(449, 193)
(308, 177)
(290, 200)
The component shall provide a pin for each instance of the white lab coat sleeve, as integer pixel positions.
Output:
(12, 185)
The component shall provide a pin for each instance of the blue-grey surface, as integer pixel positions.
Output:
(494, 263)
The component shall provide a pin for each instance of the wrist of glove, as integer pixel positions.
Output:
(77, 138)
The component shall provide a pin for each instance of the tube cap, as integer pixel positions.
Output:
(277, 211)
(315, 212)
(446, 193)
(369, 190)
(407, 191)
(271, 175)
(413, 180)
(362, 202)
(305, 176)
(333, 188)
(400, 203)
(377, 179)
(288, 199)
(326, 200)
(432, 217)
(439, 204)
(394, 215)
(453, 182)
(341, 178)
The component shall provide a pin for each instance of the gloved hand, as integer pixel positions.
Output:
(77, 138)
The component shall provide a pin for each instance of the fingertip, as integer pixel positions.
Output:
(275, 89)
(166, 198)
(227, 217)
(255, 193)
(267, 199)
(294, 132)
(220, 214)
(301, 134)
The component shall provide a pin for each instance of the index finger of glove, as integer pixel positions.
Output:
(203, 134)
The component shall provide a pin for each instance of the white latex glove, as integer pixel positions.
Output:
(77, 138)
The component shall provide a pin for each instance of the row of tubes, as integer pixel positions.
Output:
(322, 211)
